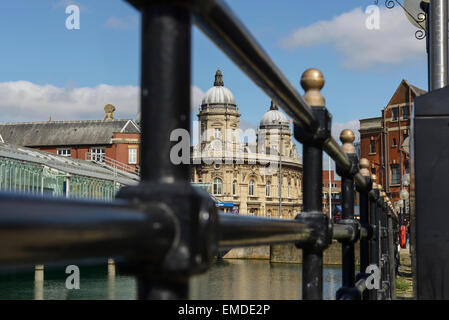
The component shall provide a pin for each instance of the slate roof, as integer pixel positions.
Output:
(65, 133)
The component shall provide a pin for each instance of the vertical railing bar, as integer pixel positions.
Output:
(374, 244)
(364, 221)
(348, 291)
(312, 81)
(165, 107)
(312, 259)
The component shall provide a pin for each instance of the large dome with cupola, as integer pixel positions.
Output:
(218, 95)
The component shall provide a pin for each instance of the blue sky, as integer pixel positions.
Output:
(47, 70)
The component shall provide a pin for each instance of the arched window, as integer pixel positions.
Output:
(251, 212)
(234, 187)
(217, 186)
(251, 188)
(268, 189)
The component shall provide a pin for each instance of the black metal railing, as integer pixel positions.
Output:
(164, 230)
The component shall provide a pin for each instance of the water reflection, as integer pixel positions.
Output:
(226, 280)
(254, 279)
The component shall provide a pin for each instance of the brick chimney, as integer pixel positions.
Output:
(109, 112)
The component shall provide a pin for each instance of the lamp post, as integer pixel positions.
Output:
(404, 196)
(430, 17)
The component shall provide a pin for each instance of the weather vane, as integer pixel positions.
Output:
(415, 11)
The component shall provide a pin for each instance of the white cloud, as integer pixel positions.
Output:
(360, 48)
(196, 95)
(26, 101)
(123, 23)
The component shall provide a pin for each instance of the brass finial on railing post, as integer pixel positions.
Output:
(364, 167)
(347, 138)
(312, 81)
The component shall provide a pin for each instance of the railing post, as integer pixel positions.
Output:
(165, 124)
(388, 247)
(391, 253)
(312, 256)
(374, 222)
(384, 256)
(364, 221)
(348, 290)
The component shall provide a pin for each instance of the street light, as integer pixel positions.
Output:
(404, 196)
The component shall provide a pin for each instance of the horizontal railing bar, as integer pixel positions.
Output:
(241, 231)
(333, 149)
(223, 27)
(346, 232)
(342, 232)
(37, 230)
(364, 232)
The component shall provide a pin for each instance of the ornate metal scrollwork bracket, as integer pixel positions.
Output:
(420, 19)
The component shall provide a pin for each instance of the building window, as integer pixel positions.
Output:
(373, 170)
(394, 112)
(405, 112)
(217, 186)
(395, 174)
(251, 188)
(394, 144)
(268, 189)
(251, 212)
(98, 154)
(132, 155)
(217, 133)
(234, 187)
(372, 146)
(269, 214)
(64, 152)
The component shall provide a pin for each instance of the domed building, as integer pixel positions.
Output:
(242, 176)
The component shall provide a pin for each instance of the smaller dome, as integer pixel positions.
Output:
(218, 94)
(273, 118)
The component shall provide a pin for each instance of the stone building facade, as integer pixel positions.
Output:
(245, 176)
(384, 139)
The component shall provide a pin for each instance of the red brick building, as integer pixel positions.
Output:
(114, 142)
(382, 139)
(335, 187)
